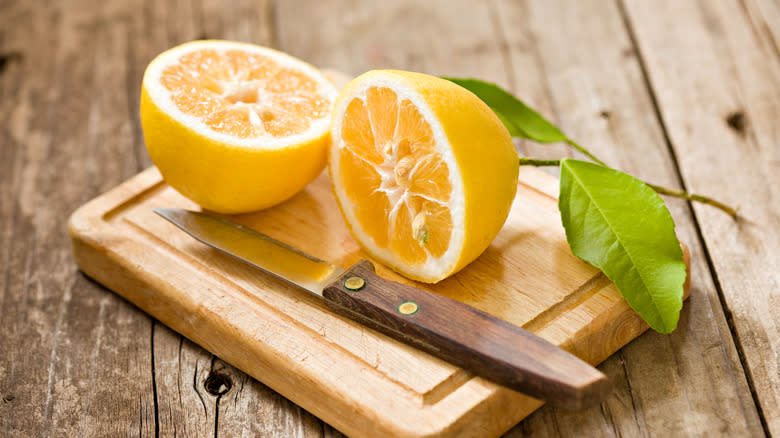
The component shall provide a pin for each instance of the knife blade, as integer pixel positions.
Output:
(453, 331)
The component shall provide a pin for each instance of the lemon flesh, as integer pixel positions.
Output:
(235, 127)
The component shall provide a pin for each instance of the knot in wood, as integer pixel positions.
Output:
(217, 384)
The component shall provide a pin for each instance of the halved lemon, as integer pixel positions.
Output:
(424, 172)
(233, 126)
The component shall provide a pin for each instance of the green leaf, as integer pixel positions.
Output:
(519, 119)
(620, 225)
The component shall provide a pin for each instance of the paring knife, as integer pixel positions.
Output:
(460, 334)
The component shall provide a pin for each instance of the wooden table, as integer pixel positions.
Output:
(677, 92)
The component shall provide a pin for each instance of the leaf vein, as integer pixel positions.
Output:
(593, 202)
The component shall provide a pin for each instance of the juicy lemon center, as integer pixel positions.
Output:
(395, 174)
(246, 95)
(250, 97)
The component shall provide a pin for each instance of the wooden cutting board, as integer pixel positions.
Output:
(355, 379)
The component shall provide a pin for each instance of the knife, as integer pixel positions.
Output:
(455, 332)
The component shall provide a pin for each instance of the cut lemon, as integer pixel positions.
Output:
(233, 126)
(424, 172)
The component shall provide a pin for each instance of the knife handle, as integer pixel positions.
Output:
(467, 337)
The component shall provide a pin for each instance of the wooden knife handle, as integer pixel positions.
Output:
(467, 337)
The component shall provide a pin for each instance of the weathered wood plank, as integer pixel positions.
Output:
(183, 407)
(182, 368)
(249, 408)
(523, 70)
(75, 359)
(97, 32)
(720, 103)
(15, 246)
(597, 86)
(56, 352)
(254, 409)
(764, 16)
(433, 37)
(177, 367)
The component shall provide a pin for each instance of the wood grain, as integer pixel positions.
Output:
(69, 130)
(181, 368)
(737, 109)
(479, 342)
(53, 358)
(595, 84)
(576, 62)
(287, 338)
(70, 79)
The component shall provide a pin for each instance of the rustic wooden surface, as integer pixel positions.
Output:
(682, 93)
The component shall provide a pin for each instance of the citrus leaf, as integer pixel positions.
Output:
(520, 120)
(620, 225)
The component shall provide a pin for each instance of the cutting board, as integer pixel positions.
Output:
(355, 379)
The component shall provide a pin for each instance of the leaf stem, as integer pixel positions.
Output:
(731, 211)
(538, 163)
(582, 149)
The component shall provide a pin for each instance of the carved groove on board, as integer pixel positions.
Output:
(447, 386)
(576, 298)
(125, 214)
(274, 331)
(155, 185)
(442, 389)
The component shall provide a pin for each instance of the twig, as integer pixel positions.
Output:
(538, 163)
(576, 145)
(731, 211)
(694, 197)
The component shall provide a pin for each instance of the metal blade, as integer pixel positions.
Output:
(255, 248)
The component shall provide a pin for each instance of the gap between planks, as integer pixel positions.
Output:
(699, 234)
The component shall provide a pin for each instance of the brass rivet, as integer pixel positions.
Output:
(354, 283)
(408, 307)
